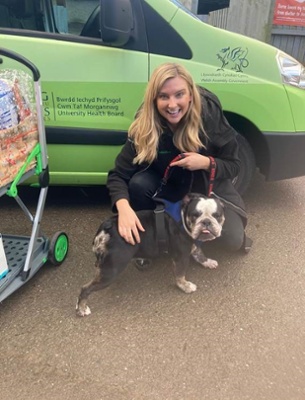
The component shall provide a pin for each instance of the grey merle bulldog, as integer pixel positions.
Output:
(201, 219)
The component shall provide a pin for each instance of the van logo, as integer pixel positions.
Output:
(234, 59)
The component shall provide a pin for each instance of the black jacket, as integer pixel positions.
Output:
(221, 144)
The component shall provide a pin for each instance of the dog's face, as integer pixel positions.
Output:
(202, 217)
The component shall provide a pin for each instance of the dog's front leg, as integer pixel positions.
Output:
(180, 267)
(199, 256)
(186, 286)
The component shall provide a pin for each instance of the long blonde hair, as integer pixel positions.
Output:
(147, 128)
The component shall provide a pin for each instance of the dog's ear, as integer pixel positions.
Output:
(186, 199)
(190, 196)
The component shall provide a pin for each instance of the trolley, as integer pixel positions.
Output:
(23, 156)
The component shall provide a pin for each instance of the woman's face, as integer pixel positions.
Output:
(173, 101)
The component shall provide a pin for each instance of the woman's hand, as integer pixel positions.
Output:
(193, 162)
(129, 224)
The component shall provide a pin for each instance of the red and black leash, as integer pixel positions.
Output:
(166, 173)
(212, 175)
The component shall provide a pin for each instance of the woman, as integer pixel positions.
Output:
(177, 117)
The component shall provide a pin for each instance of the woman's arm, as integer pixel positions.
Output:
(222, 138)
(227, 160)
(129, 224)
(120, 175)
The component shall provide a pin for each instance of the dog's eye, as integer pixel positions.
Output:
(217, 216)
(195, 215)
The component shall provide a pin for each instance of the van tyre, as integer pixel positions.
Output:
(248, 165)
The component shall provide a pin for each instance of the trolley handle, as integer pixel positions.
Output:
(22, 60)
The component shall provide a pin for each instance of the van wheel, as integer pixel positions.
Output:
(248, 165)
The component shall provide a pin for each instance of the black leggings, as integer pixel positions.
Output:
(144, 185)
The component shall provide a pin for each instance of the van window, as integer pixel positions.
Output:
(162, 38)
(76, 17)
(21, 14)
(184, 8)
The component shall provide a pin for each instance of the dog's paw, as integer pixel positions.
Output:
(186, 286)
(209, 263)
(82, 310)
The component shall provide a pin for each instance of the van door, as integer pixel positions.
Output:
(91, 89)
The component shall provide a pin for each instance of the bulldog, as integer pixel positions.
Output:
(201, 220)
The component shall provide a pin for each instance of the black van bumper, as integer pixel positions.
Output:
(286, 155)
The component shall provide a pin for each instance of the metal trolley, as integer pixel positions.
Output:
(23, 155)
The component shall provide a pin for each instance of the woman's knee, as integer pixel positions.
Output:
(142, 187)
(233, 232)
(233, 241)
(144, 183)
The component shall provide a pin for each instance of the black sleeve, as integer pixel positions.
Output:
(215, 123)
(222, 138)
(227, 160)
(120, 175)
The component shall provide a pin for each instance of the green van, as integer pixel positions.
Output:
(96, 56)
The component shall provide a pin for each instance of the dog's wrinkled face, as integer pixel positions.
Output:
(202, 217)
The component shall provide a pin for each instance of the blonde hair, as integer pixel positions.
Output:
(147, 128)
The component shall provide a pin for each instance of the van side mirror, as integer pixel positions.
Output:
(116, 21)
(206, 6)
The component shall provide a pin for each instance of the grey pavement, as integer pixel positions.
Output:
(240, 336)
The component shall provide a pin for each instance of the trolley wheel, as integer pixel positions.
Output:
(58, 248)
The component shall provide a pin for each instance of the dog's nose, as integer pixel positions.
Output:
(206, 222)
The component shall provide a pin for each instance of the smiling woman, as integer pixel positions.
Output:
(173, 101)
(177, 118)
